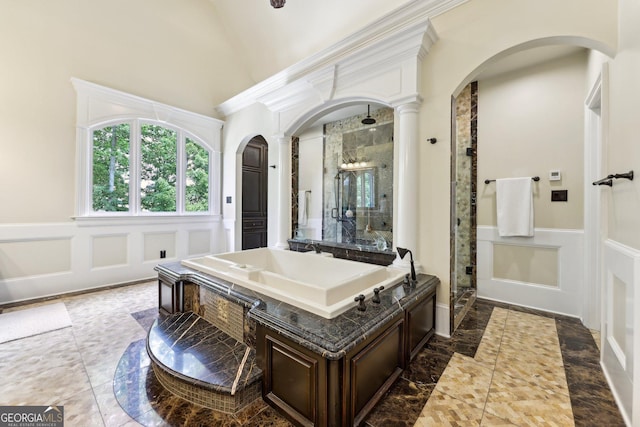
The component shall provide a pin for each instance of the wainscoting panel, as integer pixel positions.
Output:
(558, 251)
(41, 260)
(109, 250)
(154, 243)
(620, 326)
(199, 242)
(34, 257)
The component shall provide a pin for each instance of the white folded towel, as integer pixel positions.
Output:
(303, 209)
(514, 204)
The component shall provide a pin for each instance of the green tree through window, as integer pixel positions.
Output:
(197, 178)
(158, 169)
(111, 168)
(157, 172)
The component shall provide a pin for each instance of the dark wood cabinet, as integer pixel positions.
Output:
(421, 321)
(318, 372)
(372, 371)
(170, 296)
(312, 390)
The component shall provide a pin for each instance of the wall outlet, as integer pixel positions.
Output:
(163, 254)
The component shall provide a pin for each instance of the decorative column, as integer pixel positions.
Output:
(284, 191)
(406, 225)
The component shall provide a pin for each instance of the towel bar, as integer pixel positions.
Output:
(487, 181)
(608, 180)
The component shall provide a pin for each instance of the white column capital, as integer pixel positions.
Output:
(409, 104)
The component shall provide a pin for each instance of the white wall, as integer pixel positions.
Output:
(310, 178)
(167, 51)
(236, 134)
(469, 36)
(621, 282)
(530, 121)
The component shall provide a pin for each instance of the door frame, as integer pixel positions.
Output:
(595, 221)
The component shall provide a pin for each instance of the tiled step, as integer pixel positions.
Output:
(198, 362)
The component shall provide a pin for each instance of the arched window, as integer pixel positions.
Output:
(135, 169)
(143, 166)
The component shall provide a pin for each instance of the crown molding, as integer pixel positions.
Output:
(377, 36)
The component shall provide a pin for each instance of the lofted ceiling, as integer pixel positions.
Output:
(270, 40)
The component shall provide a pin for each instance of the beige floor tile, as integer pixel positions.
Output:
(596, 337)
(82, 410)
(524, 405)
(444, 410)
(42, 369)
(526, 353)
(535, 372)
(465, 379)
(489, 346)
(489, 420)
(524, 323)
(112, 414)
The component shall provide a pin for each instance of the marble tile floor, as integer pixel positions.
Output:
(99, 370)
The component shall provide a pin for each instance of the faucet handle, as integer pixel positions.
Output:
(360, 299)
(376, 296)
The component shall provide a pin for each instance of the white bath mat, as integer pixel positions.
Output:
(33, 321)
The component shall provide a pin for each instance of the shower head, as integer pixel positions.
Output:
(368, 120)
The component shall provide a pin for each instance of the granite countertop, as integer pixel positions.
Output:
(332, 338)
(362, 247)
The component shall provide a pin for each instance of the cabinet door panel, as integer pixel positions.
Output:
(375, 367)
(291, 380)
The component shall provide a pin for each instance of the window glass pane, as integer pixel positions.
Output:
(197, 178)
(158, 149)
(111, 169)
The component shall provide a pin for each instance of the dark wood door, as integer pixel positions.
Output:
(254, 194)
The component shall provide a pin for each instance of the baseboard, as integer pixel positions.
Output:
(443, 319)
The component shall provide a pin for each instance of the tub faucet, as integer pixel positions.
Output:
(376, 295)
(402, 252)
(314, 246)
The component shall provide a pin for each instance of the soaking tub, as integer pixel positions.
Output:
(321, 285)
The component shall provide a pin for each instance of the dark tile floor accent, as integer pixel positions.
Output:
(146, 317)
(144, 399)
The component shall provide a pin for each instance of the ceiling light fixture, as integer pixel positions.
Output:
(277, 4)
(368, 120)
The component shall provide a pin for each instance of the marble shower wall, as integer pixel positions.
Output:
(466, 172)
(346, 140)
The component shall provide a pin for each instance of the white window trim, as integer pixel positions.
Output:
(97, 106)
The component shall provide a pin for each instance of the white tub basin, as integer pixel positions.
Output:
(323, 285)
